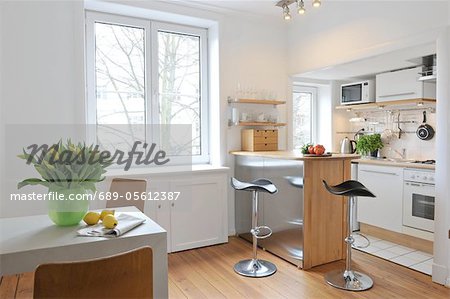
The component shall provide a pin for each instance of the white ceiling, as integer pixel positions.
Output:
(251, 7)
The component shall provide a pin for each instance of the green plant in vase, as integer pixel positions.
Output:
(69, 171)
(369, 144)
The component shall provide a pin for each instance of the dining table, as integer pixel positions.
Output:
(28, 241)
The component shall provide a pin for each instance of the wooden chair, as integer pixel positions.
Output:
(126, 275)
(124, 186)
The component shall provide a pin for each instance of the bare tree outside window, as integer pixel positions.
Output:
(179, 86)
(120, 84)
(120, 69)
(302, 116)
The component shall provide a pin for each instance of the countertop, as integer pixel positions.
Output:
(384, 162)
(297, 155)
(292, 155)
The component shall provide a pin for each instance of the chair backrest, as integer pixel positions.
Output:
(124, 186)
(126, 275)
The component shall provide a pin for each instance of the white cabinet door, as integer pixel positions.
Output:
(385, 210)
(159, 210)
(403, 85)
(199, 215)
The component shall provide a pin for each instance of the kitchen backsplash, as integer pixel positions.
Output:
(394, 147)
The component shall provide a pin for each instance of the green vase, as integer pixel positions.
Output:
(69, 210)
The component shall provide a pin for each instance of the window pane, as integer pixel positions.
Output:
(302, 108)
(179, 87)
(120, 84)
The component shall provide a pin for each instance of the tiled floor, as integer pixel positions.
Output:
(405, 256)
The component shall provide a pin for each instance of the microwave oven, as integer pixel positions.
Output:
(358, 92)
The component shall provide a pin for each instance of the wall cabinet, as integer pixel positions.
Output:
(198, 217)
(402, 85)
(385, 210)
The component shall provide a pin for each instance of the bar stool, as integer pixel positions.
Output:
(255, 267)
(348, 279)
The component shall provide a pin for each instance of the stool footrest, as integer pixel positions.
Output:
(257, 232)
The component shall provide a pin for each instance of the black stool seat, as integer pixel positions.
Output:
(349, 188)
(261, 185)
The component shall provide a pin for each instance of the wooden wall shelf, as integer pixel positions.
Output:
(392, 105)
(255, 101)
(261, 124)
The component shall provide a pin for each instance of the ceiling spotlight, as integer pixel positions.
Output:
(316, 3)
(286, 12)
(284, 4)
(301, 7)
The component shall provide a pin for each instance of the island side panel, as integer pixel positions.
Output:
(324, 216)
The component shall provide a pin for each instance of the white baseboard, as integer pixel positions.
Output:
(440, 275)
(231, 232)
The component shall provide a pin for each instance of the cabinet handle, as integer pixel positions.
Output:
(159, 206)
(380, 172)
(396, 94)
(173, 204)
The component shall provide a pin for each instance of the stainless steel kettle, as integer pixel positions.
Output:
(347, 146)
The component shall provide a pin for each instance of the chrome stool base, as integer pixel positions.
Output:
(255, 268)
(349, 280)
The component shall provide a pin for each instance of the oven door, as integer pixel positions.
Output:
(418, 206)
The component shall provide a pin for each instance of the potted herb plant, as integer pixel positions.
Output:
(368, 145)
(69, 171)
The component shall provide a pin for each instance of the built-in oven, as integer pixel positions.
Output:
(418, 199)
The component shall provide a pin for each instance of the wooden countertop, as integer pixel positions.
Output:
(384, 162)
(292, 155)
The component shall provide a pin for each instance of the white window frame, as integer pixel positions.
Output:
(151, 75)
(204, 157)
(314, 91)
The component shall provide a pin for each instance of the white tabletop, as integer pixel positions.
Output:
(26, 242)
(37, 232)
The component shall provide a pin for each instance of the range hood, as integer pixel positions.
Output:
(428, 68)
(428, 64)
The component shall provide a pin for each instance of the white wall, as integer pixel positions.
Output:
(442, 243)
(42, 55)
(42, 78)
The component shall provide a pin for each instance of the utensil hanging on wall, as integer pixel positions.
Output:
(425, 131)
(400, 131)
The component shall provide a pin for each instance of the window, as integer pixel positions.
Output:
(143, 72)
(303, 108)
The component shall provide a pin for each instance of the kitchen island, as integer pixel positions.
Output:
(308, 223)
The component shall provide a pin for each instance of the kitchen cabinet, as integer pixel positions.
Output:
(198, 217)
(385, 210)
(403, 85)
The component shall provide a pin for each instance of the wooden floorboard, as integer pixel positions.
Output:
(208, 273)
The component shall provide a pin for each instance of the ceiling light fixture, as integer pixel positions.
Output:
(284, 4)
(316, 3)
(286, 12)
(301, 7)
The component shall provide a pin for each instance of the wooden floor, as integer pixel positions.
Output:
(208, 273)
